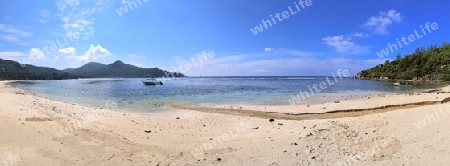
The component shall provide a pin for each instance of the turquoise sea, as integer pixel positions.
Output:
(131, 94)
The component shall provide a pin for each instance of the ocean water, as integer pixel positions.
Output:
(131, 94)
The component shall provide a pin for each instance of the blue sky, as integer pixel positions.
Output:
(317, 40)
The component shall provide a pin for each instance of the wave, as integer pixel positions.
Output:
(101, 81)
(301, 78)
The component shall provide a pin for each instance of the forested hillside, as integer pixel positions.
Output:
(118, 69)
(11, 70)
(424, 64)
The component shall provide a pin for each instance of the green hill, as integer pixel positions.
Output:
(430, 64)
(11, 70)
(118, 69)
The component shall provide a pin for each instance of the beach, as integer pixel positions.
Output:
(391, 129)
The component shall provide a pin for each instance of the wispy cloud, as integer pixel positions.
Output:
(78, 15)
(344, 45)
(261, 71)
(376, 25)
(284, 66)
(287, 52)
(360, 34)
(268, 49)
(379, 24)
(255, 64)
(226, 59)
(13, 35)
(11, 55)
(5, 28)
(62, 5)
(13, 39)
(44, 16)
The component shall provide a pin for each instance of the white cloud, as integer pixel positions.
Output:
(268, 49)
(124, 1)
(176, 58)
(77, 15)
(13, 34)
(44, 13)
(225, 59)
(9, 29)
(44, 16)
(359, 34)
(64, 4)
(11, 55)
(344, 45)
(287, 52)
(68, 52)
(11, 38)
(94, 53)
(261, 71)
(282, 66)
(378, 24)
(43, 21)
(255, 64)
(36, 54)
(292, 52)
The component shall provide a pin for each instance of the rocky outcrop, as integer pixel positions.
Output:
(430, 79)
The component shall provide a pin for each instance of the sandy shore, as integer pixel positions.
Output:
(40, 131)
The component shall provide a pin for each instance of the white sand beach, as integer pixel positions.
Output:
(31, 134)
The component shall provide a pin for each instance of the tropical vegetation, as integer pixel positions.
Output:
(433, 61)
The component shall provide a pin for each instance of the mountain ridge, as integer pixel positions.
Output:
(118, 69)
(12, 70)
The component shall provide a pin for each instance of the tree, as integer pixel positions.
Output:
(398, 57)
(431, 61)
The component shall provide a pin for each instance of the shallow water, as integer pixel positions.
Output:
(133, 95)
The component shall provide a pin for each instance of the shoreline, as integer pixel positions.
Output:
(29, 126)
(327, 108)
(361, 102)
(321, 99)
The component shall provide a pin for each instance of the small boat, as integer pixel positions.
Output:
(152, 81)
(407, 83)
